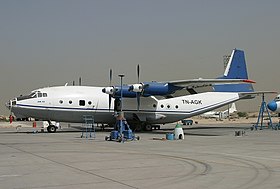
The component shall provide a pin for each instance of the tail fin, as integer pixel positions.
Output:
(236, 69)
(232, 108)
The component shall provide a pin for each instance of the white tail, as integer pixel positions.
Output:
(232, 109)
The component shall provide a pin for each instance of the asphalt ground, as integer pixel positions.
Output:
(209, 157)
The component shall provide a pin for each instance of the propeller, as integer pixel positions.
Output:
(110, 81)
(138, 73)
(138, 88)
(138, 94)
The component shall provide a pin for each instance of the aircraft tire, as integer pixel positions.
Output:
(148, 127)
(51, 129)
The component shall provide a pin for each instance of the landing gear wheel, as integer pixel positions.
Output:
(51, 129)
(148, 127)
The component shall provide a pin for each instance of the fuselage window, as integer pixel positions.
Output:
(89, 102)
(39, 95)
(162, 106)
(70, 101)
(45, 95)
(154, 105)
(61, 101)
(82, 103)
(168, 106)
(176, 106)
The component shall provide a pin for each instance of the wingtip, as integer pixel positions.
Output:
(248, 81)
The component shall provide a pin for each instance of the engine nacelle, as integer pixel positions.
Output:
(150, 88)
(115, 91)
(153, 88)
(146, 89)
(138, 88)
(274, 106)
(109, 90)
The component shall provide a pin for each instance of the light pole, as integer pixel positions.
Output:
(121, 76)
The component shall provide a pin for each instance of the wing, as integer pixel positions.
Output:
(167, 89)
(207, 82)
(194, 86)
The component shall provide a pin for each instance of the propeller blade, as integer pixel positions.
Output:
(138, 73)
(138, 100)
(110, 76)
(110, 100)
(138, 80)
(110, 81)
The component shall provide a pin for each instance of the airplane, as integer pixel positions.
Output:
(157, 102)
(220, 114)
(275, 105)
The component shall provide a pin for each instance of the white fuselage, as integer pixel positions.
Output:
(71, 103)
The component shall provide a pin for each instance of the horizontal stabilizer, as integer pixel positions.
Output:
(246, 95)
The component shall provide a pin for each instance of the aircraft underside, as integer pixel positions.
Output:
(138, 120)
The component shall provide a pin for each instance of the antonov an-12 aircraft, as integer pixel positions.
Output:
(144, 103)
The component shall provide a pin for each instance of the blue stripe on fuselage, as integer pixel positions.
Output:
(130, 110)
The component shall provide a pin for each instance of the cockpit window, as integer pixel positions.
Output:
(23, 97)
(277, 98)
(32, 95)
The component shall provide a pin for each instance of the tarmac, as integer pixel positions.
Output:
(210, 156)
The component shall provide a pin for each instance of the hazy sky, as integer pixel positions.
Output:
(51, 42)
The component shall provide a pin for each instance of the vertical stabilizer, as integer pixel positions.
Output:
(232, 109)
(236, 69)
